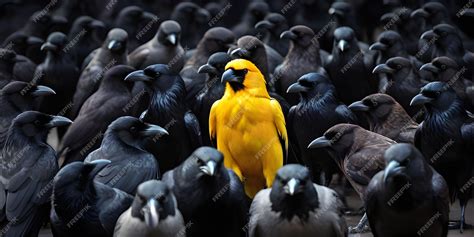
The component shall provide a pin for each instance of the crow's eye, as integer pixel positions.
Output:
(133, 129)
(36, 122)
(399, 66)
(443, 67)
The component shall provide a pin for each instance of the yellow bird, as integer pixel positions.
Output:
(248, 127)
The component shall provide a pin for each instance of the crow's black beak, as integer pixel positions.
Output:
(206, 68)
(383, 68)
(430, 67)
(320, 142)
(264, 25)
(358, 106)
(58, 121)
(153, 130)
(42, 91)
(288, 35)
(49, 47)
(378, 46)
(420, 100)
(138, 76)
(296, 88)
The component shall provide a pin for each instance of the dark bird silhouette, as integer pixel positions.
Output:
(253, 49)
(358, 153)
(390, 44)
(15, 98)
(296, 206)
(88, 34)
(210, 92)
(76, 193)
(387, 117)
(447, 42)
(154, 212)
(407, 194)
(124, 145)
(164, 48)
(168, 110)
(7, 62)
(113, 99)
(318, 102)
(303, 57)
(25, 45)
(402, 83)
(445, 138)
(255, 12)
(57, 71)
(350, 68)
(216, 39)
(273, 25)
(193, 19)
(27, 167)
(209, 195)
(400, 21)
(446, 70)
(139, 24)
(113, 52)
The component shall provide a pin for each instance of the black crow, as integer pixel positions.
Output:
(210, 92)
(303, 57)
(139, 24)
(168, 110)
(25, 45)
(274, 24)
(387, 117)
(446, 70)
(88, 34)
(15, 98)
(112, 100)
(358, 153)
(216, 39)
(27, 168)
(400, 21)
(255, 12)
(318, 102)
(295, 206)
(445, 138)
(402, 83)
(209, 195)
(447, 42)
(407, 195)
(124, 145)
(350, 68)
(82, 206)
(264, 57)
(390, 44)
(154, 212)
(113, 52)
(57, 71)
(193, 19)
(164, 48)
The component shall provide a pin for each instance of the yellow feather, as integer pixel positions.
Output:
(249, 125)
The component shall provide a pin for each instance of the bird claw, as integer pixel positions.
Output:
(359, 229)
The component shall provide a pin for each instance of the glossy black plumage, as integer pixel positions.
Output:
(209, 195)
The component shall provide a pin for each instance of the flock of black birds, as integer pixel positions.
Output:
(104, 122)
